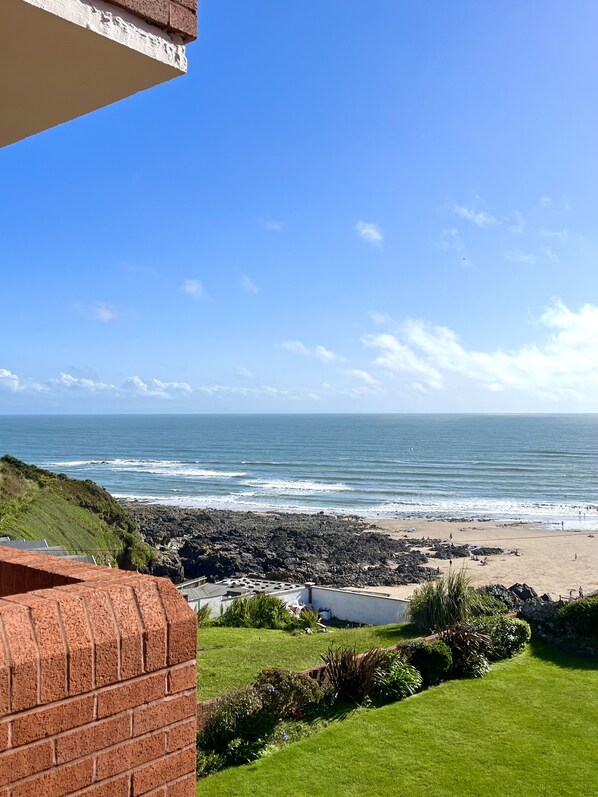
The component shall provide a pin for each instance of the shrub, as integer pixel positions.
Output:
(470, 648)
(449, 600)
(282, 691)
(352, 676)
(397, 679)
(433, 660)
(501, 597)
(259, 611)
(309, 618)
(236, 715)
(204, 616)
(509, 635)
(580, 617)
(208, 762)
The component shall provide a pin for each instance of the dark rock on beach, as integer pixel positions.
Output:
(330, 550)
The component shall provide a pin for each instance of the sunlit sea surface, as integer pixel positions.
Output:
(540, 468)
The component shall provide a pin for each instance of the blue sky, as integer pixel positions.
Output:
(344, 206)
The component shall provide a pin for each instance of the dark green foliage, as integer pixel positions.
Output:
(509, 635)
(397, 679)
(284, 693)
(580, 617)
(236, 715)
(433, 660)
(207, 762)
(500, 593)
(353, 676)
(439, 604)
(259, 611)
(470, 648)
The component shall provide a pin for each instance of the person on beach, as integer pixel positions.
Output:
(581, 592)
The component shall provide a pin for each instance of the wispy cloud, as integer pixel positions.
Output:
(193, 288)
(101, 311)
(244, 373)
(380, 318)
(559, 235)
(273, 225)
(519, 223)
(519, 256)
(478, 217)
(369, 232)
(13, 383)
(248, 284)
(364, 376)
(563, 364)
(319, 352)
(79, 383)
(451, 240)
(545, 201)
(155, 388)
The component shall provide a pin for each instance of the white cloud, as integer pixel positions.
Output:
(370, 232)
(103, 312)
(156, 388)
(193, 288)
(244, 373)
(272, 224)
(327, 356)
(518, 224)
(319, 352)
(549, 253)
(451, 239)
(478, 217)
(84, 384)
(9, 381)
(380, 318)
(249, 285)
(545, 201)
(563, 364)
(518, 256)
(560, 235)
(364, 376)
(295, 346)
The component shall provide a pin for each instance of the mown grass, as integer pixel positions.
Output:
(231, 657)
(528, 728)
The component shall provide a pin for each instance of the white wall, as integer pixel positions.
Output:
(360, 607)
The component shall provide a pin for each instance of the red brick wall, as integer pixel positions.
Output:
(97, 682)
(175, 16)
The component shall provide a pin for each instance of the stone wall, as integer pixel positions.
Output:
(175, 16)
(97, 681)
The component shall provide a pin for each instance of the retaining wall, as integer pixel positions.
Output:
(359, 607)
(97, 681)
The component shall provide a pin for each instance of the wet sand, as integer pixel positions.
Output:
(547, 559)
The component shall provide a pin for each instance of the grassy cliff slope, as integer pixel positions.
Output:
(80, 515)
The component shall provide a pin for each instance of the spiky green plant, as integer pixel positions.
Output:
(448, 600)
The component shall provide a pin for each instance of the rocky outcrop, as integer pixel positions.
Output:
(330, 550)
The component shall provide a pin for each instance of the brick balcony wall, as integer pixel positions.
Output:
(97, 681)
(178, 17)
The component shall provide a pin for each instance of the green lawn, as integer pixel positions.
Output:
(527, 729)
(230, 657)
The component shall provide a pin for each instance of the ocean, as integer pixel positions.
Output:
(541, 468)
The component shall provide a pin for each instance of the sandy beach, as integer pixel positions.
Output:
(550, 561)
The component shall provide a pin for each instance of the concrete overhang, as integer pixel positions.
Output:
(60, 59)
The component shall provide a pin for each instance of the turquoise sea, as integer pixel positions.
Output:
(530, 467)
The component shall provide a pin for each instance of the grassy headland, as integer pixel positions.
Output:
(79, 515)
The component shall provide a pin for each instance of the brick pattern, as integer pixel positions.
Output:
(175, 16)
(97, 682)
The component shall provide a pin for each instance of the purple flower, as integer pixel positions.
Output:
(285, 736)
(270, 688)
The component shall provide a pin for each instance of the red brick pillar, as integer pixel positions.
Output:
(97, 682)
